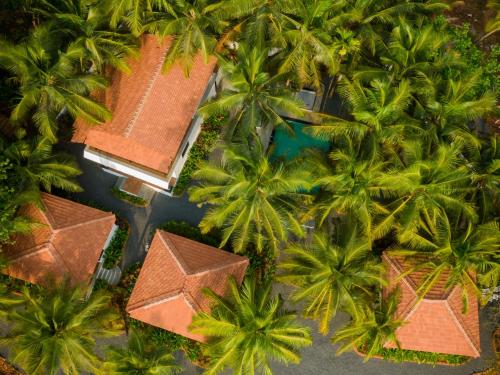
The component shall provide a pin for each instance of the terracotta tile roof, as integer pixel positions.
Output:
(69, 241)
(151, 111)
(168, 291)
(436, 323)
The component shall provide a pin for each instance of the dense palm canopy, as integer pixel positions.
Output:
(331, 275)
(83, 23)
(253, 201)
(248, 329)
(49, 81)
(56, 329)
(140, 358)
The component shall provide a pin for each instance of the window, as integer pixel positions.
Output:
(185, 149)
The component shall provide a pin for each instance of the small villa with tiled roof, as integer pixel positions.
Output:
(154, 122)
(169, 289)
(436, 323)
(68, 241)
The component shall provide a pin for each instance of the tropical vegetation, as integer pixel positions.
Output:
(413, 166)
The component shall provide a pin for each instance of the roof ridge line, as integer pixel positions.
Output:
(461, 328)
(58, 257)
(147, 93)
(155, 300)
(176, 254)
(86, 222)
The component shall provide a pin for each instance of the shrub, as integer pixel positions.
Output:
(113, 253)
(209, 134)
(402, 355)
(486, 65)
(119, 194)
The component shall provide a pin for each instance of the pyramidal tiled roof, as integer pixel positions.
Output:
(436, 323)
(67, 242)
(152, 110)
(168, 291)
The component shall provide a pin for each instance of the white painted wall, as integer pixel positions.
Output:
(127, 169)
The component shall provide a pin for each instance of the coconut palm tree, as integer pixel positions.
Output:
(251, 199)
(356, 186)
(56, 330)
(36, 165)
(376, 328)
(332, 275)
(378, 113)
(309, 45)
(133, 13)
(414, 51)
(253, 94)
(439, 184)
(248, 329)
(49, 81)
(465, 256)
(140, 358)
(89, 30)
(195, 28)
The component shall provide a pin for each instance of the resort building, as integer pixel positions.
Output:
(68, 241)
(169, 289)
(436, 323)
(154, 122)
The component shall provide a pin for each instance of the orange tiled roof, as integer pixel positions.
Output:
(436, 323)
(151, 111)
(168, 291)
(69, 241)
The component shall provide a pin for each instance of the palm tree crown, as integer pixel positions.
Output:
(56, 330)
(252, 200)
(138, 358)
(248, 329)
(332, 275)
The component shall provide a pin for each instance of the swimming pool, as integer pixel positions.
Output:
(288, 146)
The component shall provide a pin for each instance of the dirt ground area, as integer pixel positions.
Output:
(476, 14)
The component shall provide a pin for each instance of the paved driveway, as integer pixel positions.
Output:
(320, 358)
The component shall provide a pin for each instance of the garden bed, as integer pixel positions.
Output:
(114, 252)
(129, 198)
(209, 134)
(403, 355)
(184, 229)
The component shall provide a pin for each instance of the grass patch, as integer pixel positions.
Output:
(114, 252)
(209, 134)
(129, 198)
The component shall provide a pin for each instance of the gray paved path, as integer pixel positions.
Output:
(320, 358)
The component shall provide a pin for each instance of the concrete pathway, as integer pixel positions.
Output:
(97, 186)
(320, 358)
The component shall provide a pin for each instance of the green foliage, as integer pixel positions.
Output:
(476, 61)
(185, 229)
(402, 355)
(113, 253)
(248, 329)
(129, 198)
(141, 356)
(57, 329)
(208, 137)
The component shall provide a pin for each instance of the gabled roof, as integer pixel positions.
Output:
(436, 323)
(168, 291)
(68, 241)
(152, 111)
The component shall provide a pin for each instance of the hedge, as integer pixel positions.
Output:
(114, 251)
(119, 194)
(184, 229)
(209, 134)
